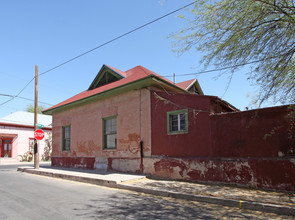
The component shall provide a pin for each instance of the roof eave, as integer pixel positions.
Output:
(138, 84)
(22, 125)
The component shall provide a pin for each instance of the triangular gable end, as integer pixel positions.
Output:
(195, 88)
(105, 76)
(192, 86)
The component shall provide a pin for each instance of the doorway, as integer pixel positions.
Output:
(6, 148)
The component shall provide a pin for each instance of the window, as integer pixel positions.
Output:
(177, 122)
(66, 138)
(6, 148)
(110, 133)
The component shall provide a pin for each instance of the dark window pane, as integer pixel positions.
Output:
(174, 122)
(177, 122)
(182, 122)
(66, 138)
(110, 133)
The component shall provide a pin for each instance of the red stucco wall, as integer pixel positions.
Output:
(196, 141)
(268, 132)
(251, 148)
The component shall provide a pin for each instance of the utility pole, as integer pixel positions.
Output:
(36, 153)
(174, 78)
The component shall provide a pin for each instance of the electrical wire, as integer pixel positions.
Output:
(117, 38)
(12, 96)
(220, 69)
(104, 44)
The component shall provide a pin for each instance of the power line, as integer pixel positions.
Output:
(117, 38)
(17, 95)
(220, 69)
(104, 44)
(12, 96)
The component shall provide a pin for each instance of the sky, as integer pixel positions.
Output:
(49, 33)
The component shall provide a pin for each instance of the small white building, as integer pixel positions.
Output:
(17, 133)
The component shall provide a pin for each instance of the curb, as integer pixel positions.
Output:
(255, 206)
(108, 183)
(249, 205)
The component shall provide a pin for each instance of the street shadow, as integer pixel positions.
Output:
(141, 206)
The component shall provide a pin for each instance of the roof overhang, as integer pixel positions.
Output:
(4, 124)
(149, 81)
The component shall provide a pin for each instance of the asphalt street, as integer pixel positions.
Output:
(27, 196)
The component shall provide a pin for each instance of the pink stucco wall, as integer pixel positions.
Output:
(133, 125)
(20, 139)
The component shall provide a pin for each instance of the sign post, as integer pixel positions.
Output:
(36, 153)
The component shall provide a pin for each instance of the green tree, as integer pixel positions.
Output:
(30, 108)
(232, 33)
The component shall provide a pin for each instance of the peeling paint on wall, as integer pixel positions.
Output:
(266, 174)
(125, 165)
(101, 163)
(75, 162)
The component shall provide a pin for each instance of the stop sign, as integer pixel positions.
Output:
(39, 134)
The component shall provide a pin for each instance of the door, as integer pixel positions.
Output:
(6, 148)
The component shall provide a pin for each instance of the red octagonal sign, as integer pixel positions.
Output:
(39, 134)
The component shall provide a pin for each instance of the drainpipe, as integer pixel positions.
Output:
(141, 156)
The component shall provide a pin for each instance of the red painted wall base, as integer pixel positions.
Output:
(263, 173)
(74, 162)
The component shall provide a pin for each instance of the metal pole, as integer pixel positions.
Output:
(36, 153)
(174, 78)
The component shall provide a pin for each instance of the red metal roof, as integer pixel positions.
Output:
(185, 84)
(131, 75)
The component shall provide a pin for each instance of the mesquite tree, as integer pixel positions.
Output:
(232, 33)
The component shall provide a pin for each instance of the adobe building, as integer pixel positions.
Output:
(137, 121)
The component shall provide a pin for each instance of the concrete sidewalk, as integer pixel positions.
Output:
(282, 203)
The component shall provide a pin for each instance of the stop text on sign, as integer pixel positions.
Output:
(39, 134)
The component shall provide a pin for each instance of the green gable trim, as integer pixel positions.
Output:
(138, 84)
(105, 76)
